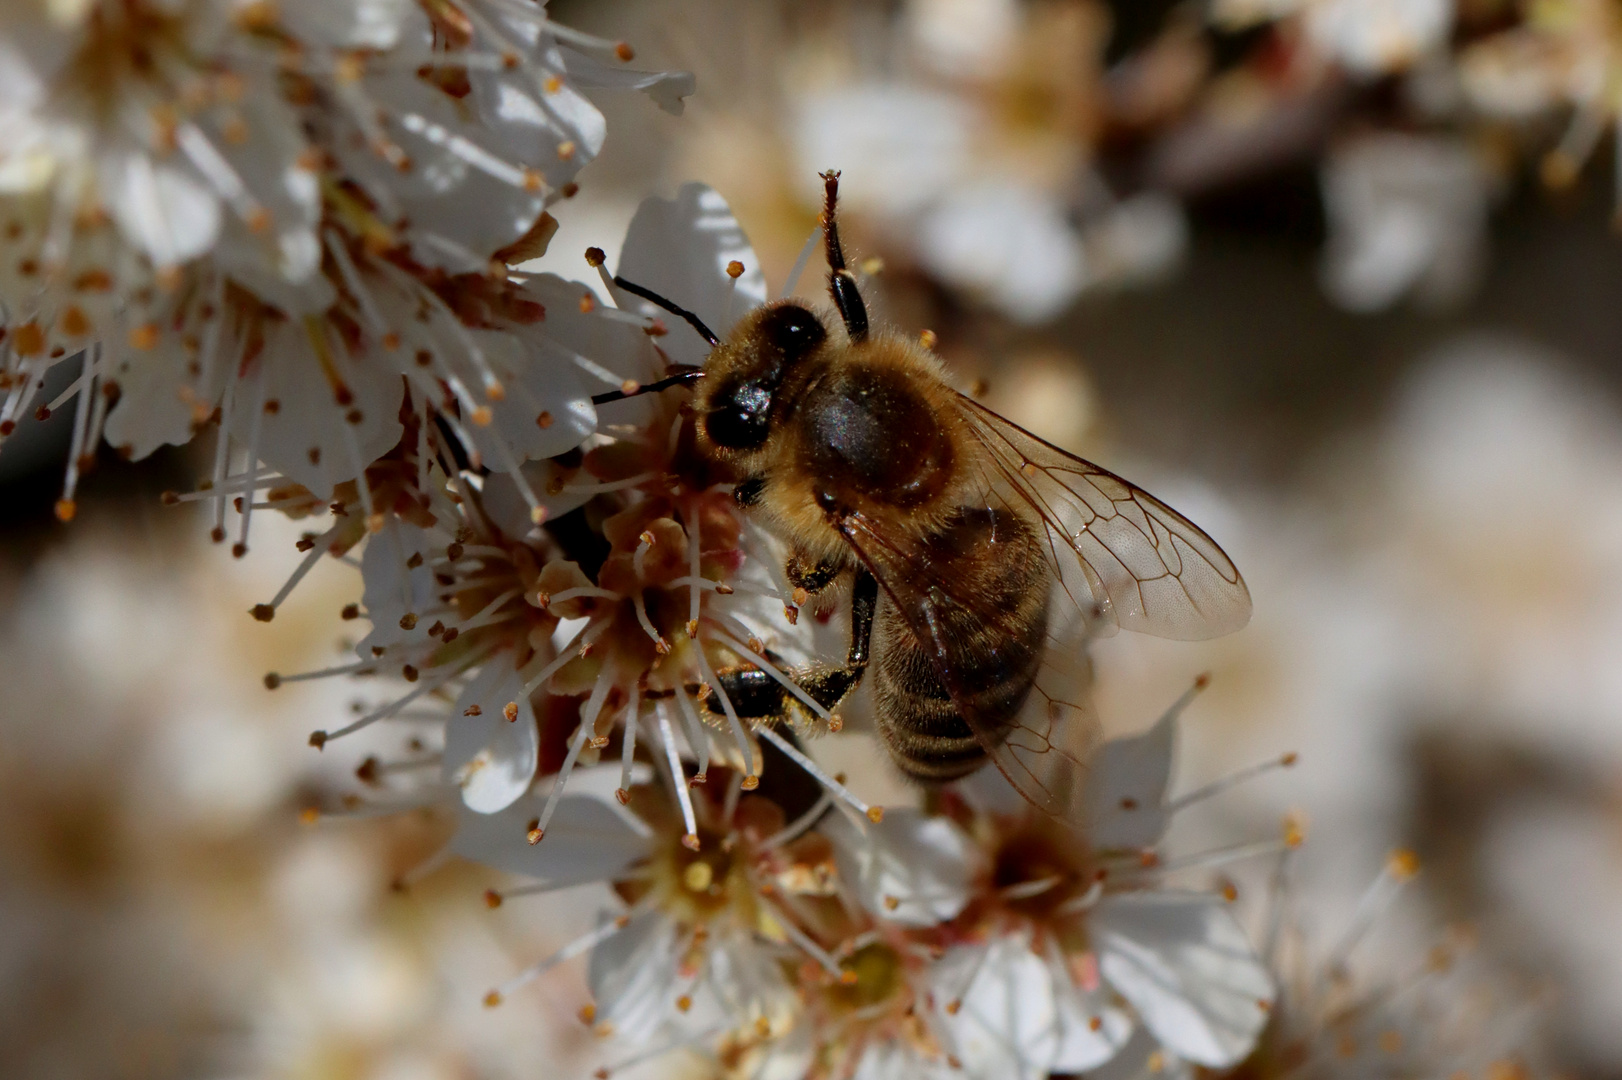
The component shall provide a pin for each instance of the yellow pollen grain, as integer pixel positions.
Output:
(553, 84)
(74, 322)
(1402, 864)
(567, 149)
(588, 1013)
(510, 711)
(875, 814)
(684, 1003)
(349, 69)
(492, 999)
(482, 416)
(28, 340)
(144, 337)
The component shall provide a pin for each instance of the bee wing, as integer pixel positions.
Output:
(1119, 553)
(1044, 752)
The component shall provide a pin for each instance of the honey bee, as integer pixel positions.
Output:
(971, 547)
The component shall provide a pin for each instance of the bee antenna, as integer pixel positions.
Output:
(686, 374)
(841, 283)
(652, 297)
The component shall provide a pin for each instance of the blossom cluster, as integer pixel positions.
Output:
(294, 222)
(573, 697)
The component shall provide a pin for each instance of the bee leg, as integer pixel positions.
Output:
(841, 283)
(812, 577)
(756, 695)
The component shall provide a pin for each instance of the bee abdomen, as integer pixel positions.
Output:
(991, 662)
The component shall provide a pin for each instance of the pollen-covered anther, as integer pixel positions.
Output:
(534, 836)
(408, 621)
(734, 269)
(472, 710)
(567, 149)
(875, 814)
(623, 50)
(684, 1003)
(891, 903)
(543, 419)
(272, 680)
(144, 337)
(318, 739)
(495, 391)
(510, 711)
(1402, 864)
(723, 589)
(492, 999)
(690, 842)
(692, 628)
(66, 509)
(533, 180)
(598, 742)
(482, 416)
(309, 815)
(750, 782)
(492, 899)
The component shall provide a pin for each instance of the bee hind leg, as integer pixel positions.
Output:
(756, 695)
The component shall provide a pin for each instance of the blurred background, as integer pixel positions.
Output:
(1337, 278)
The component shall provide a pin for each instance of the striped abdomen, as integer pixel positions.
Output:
(992, 631)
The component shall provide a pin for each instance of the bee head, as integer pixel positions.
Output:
(747, 370)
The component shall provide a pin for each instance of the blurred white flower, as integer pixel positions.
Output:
(1369, 38)
(1407, 216)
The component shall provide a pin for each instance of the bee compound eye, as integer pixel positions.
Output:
(794, 330)
(739, 416)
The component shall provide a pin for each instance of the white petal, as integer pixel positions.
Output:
(390, 589)
(1142, 1058)
(1188, 969)
(668, 89)
(680, 249)
(310, 436)
(897, 1060)
(632, 977)
(586, 840)
(1007, 1024)
(491, 758)
(1009, 242)
(164, 210)
(1091, 1029)
(534, 385)
(150, 410)
(910, 868)
(1128, 786)
(899, 147)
